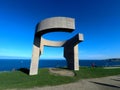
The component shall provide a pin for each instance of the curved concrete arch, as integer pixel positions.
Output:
(50, 43)
(53, 43)
(55, 24)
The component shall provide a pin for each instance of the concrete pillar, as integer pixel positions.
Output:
(35, 56)
(76, 58)
(71, 55)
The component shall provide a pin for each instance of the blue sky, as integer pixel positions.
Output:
(98, 20)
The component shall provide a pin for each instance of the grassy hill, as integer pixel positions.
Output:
(18, 79)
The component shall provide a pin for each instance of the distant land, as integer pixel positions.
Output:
(114, 59)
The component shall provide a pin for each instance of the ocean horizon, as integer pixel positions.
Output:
(15, 64)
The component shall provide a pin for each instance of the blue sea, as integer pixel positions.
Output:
(14, 64)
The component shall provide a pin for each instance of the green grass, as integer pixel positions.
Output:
(85, 73)
(17, 79)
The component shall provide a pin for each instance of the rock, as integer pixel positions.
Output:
(61, 72)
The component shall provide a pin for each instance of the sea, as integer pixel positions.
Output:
(15, 64)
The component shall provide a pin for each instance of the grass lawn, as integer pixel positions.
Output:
(18, 79)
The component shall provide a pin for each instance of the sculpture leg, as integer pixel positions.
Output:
(71, 55)
(35, 56)
(76, 58)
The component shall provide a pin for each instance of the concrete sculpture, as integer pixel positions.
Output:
(56, 24)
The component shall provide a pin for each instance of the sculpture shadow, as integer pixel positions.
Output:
(24, 70)
(104, 84)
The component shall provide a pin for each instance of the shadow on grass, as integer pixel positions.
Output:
(24, 70)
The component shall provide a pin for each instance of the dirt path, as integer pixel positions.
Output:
(106, 83)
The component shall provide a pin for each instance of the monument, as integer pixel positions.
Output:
(55, 24)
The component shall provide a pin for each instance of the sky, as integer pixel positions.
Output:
(98, 20)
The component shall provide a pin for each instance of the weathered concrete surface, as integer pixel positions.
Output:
(61, 72)
(63, 24)
(35, 56)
